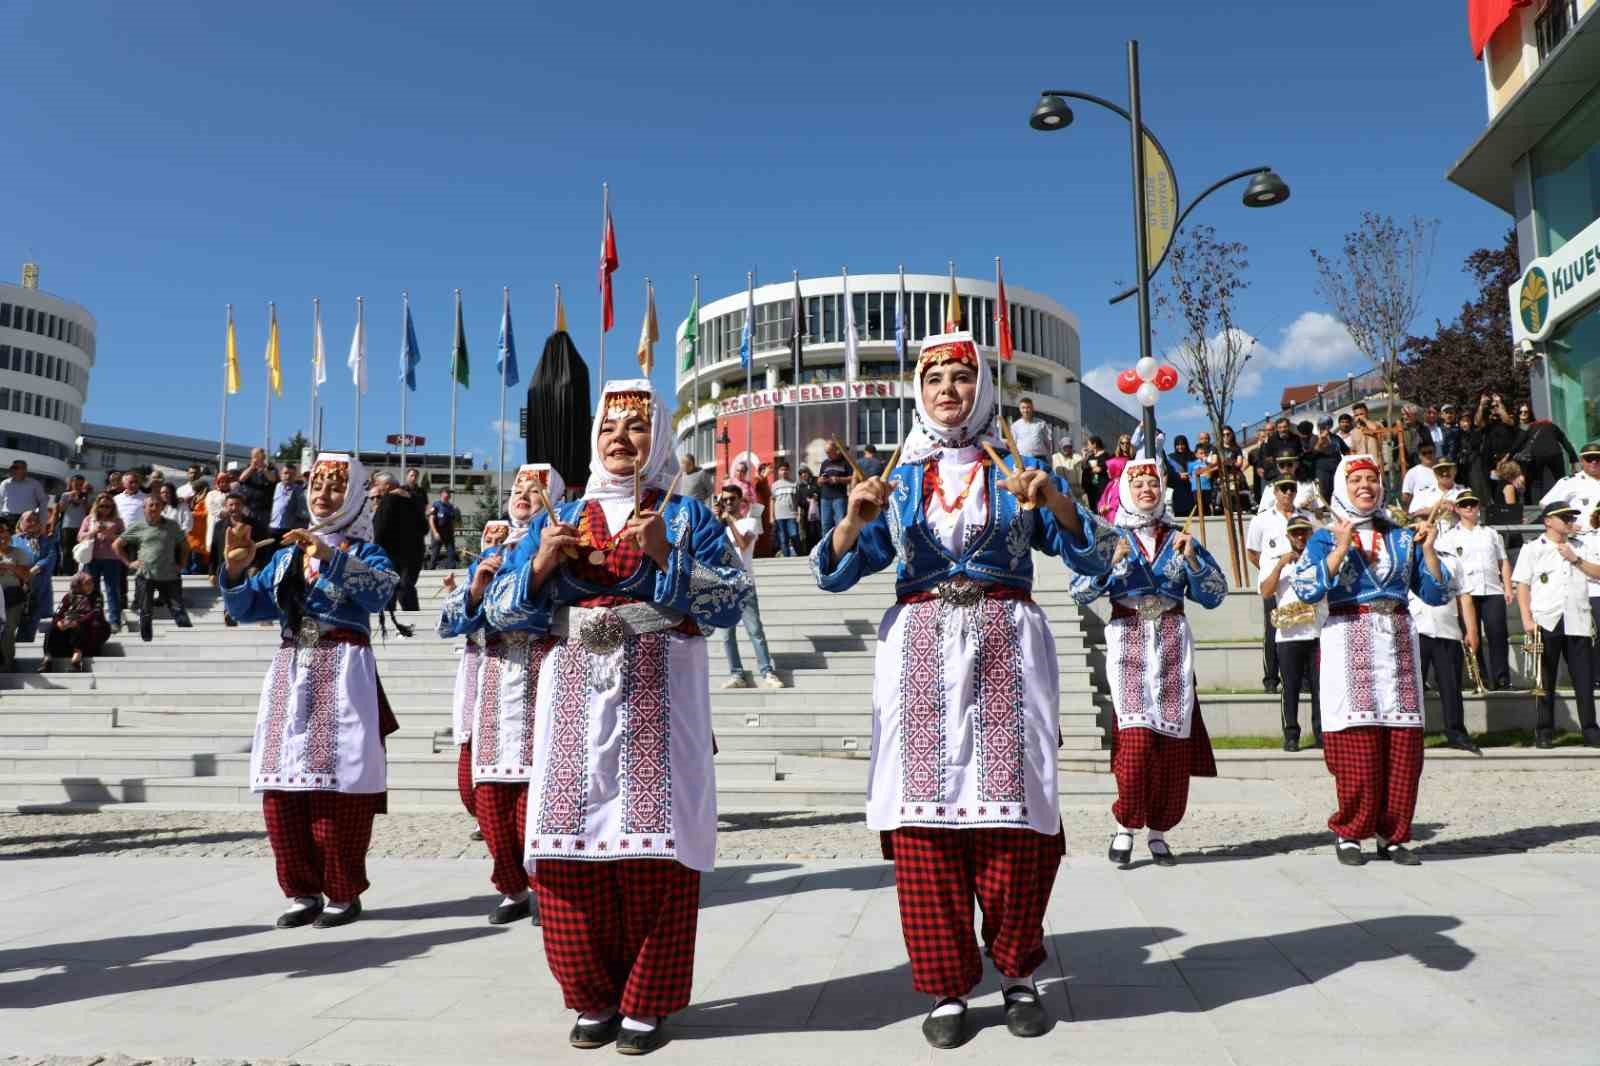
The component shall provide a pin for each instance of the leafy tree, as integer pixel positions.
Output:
(289, 451)
(1472, 354)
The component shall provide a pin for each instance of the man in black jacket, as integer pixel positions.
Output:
(399, 530)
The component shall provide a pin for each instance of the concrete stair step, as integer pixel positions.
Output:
(1273, 764)
(121, 740)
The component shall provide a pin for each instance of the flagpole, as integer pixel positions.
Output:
(266, 431)
(750, 364)
(605, 220)
(794, 459)
(848, 322)
(694, 350)
(360, 319)
(999, 363)
(505, 307)
(405, 361)
(222, 439)
(455, 385)
(317, 358)
(902, 341)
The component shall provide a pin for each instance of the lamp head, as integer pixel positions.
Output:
(1266, 189)
(1051, 114)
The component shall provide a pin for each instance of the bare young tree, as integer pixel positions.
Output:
(1374, 287)
(1204, 278)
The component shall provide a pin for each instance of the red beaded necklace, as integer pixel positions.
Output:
(931, 483)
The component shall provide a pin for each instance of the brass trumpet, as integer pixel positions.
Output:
(1474, 674)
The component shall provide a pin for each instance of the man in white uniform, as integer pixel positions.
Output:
(1483, 574)
(1552, 577)
(1299, 624)
(1268, 532)
(1582, 490)
(1439, 637)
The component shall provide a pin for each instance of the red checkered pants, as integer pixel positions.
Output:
(1152, 773)
(320, 841)
(502, 809)
(1375, 771)
(937, 875)
(620, 932)
(464, 778)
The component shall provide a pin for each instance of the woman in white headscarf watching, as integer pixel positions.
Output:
(1365, 566)
(1158, 739)
(626, 580)
(966, 701)
(493, 703)
(317, 759)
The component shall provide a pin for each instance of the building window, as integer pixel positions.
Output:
(1566, 177)
(1553, 24)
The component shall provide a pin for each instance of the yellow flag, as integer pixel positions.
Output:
(232, 372)
(649, 333)
(274, 366)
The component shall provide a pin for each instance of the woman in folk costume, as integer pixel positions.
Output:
(317, 758)
(1372, 701)
(1158, 738)
(495, 701)
(623, 819)
(966, 699)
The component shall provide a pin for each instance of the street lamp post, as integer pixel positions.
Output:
(725, 440)
(1266, 190)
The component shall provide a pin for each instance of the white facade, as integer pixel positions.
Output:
(1047, 364)
(47, 348)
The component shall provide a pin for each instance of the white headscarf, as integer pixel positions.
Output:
(928, 437)
(554, 487)
(354, 519)
(1128, 515)
(1341, 504)
(658, 466)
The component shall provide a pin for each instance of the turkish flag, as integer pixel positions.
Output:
(608, 265)
(1002, 319)
(1486, 16)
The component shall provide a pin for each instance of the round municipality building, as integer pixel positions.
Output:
(46, 352)
(719, 417)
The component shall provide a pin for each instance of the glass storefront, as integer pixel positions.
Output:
(1566, 200)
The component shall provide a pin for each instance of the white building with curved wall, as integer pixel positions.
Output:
(47, 347)
(878, 405)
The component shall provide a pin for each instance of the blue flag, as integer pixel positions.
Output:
(900, 324)
(410, 356)
(507, 363)
(749, 321)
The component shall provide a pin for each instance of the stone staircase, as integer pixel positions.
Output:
(170, 722)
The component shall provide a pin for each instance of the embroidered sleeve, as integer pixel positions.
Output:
(702, 578)
(511, 602)
(1311, 579)
(364, 578)
(1207, 586)
(454, 619)
(1088, 586)
(873, 551)
(1086, 552)
(254, 599)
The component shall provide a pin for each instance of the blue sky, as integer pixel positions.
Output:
(166, 159)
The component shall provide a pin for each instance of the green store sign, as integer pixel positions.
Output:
(1556, 286)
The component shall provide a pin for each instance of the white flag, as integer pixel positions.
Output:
(319, 355)
(851, 365)
(358, 355)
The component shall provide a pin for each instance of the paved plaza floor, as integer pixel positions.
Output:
(1229, 958)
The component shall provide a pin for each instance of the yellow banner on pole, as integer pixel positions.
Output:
(1160, 204)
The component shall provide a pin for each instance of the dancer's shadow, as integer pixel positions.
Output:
(740, 884)
(1099, 966)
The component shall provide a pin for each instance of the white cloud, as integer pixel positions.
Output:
(1314, 341)
(1103, 379)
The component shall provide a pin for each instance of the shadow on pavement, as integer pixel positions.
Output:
(1101, 965)
(113, 841)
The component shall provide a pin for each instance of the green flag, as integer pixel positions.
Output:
(689, 347)
(458, 351)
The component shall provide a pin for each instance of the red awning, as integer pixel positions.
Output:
(1486, 16)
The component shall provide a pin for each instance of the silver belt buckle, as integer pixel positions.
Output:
(602, 632)
(1150, 608)
(308, 634)
(960, 592)
(516, 638)
(1383, 607)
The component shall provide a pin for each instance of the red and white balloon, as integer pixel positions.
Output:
(1147, 380)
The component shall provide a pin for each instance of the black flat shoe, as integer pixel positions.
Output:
(303, 916)
(1291, 745)
(1025, 1015)
(1543, 741)
(1162, 855)
(1350, 856)
(1591, 738)
(507, 913)
(946, 1031)
(589, 1037)
(1120, 856)
(333, 919)
(1463, 744)
(1398, 854)
(633, 1042)
(476, 834)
